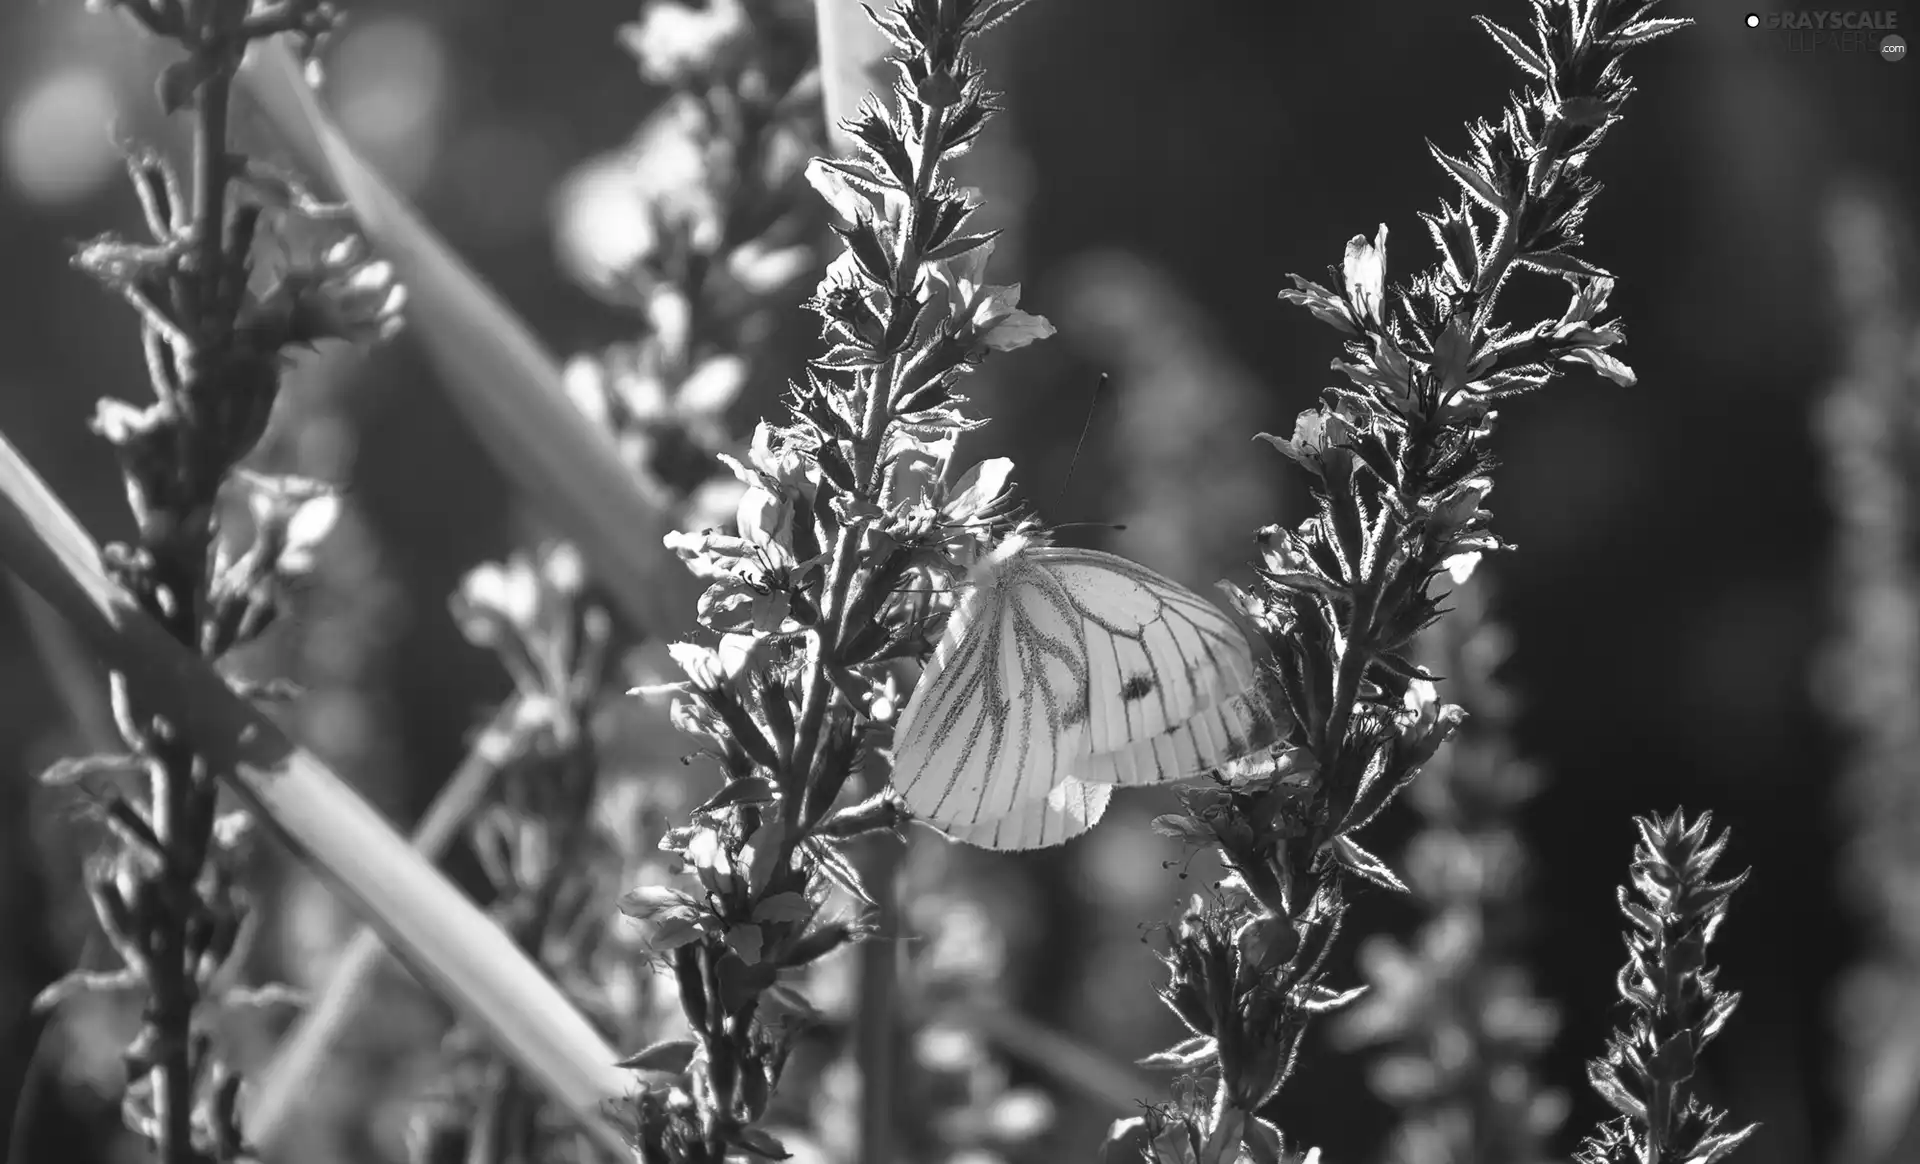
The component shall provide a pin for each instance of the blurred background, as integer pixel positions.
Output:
(1678, 610)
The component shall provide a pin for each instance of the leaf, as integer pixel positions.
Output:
(77, 982)
(783, 907)
(1601, 362)
(847, 358)
(1471, 180)
(1522, 54)
(665, 934)
(1126, 1142)
(1556, 263)
(885, 147)
(1644, 32)
(837, 868)
(1186, 1055)
(1321, 1000)
(265, 995)
(180, 80)
(869, 251)
(1714, 1148)
(1182, 828)
(990, 14)
(73, 769)
(670, 1057)
(955, 247)
(750, 790)
(1360, 861)
(1223, 1145)
(494, 370)
(744, 939)
(760, 1144)
(1606, 1082)
(1586, 111)
(741, 983)
(442, 936)
(1263, 1142)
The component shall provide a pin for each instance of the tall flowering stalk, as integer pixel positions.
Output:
(1459, 1023)
(699, 225)
(217, 325)
(1870, 680)
(1674, 1005)
(845, 539)
(1398, 461)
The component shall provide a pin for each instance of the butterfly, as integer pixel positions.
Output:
(1062, 673)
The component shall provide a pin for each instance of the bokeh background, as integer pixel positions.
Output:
(1160, 170)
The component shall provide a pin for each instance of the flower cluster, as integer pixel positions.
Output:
(1675, 1006)
(700, 225)
(1399, 468)
(1870, 673)
(217, 334)
(846, 538)
(1455, 1016)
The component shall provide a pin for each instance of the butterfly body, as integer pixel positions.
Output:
(1064, 672)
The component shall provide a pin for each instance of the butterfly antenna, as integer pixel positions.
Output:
(1084, 430)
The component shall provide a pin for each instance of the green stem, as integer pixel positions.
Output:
(832, 629)
(179, 822)
(169, 978)
(210, 204)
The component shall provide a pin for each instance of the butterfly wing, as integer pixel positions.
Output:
(984, 736)
(1061, 672)
(1071, 809)
(1174, 683)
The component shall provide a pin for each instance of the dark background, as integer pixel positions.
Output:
(1670, 588)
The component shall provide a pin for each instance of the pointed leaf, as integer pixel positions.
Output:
(1522, 54)
(1470, 179)
(671, 1057)
(73, 769)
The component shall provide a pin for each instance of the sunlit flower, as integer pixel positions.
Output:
(983, 313)
(346, 295)
(677, 43)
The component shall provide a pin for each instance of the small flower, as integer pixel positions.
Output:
(1365, 272)
(622, 217)
(143, 439)
(292, 515)
(762, 269)
(526, 611)
(495, 601)
(667, 917)
(1319, 442)
(776, 467)
(1266, 942)
(756, 584)
(1459, 508)
(345, 296)
(677, 44)
(851, 202)
(707, 858)
(1425, 723)
(980, 494)
(985, 314)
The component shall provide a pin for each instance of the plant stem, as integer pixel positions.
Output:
(866, 467)
(210, 201)
(182, 792)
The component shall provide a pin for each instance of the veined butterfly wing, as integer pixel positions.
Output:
(1069, 810)
(1063, 671)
